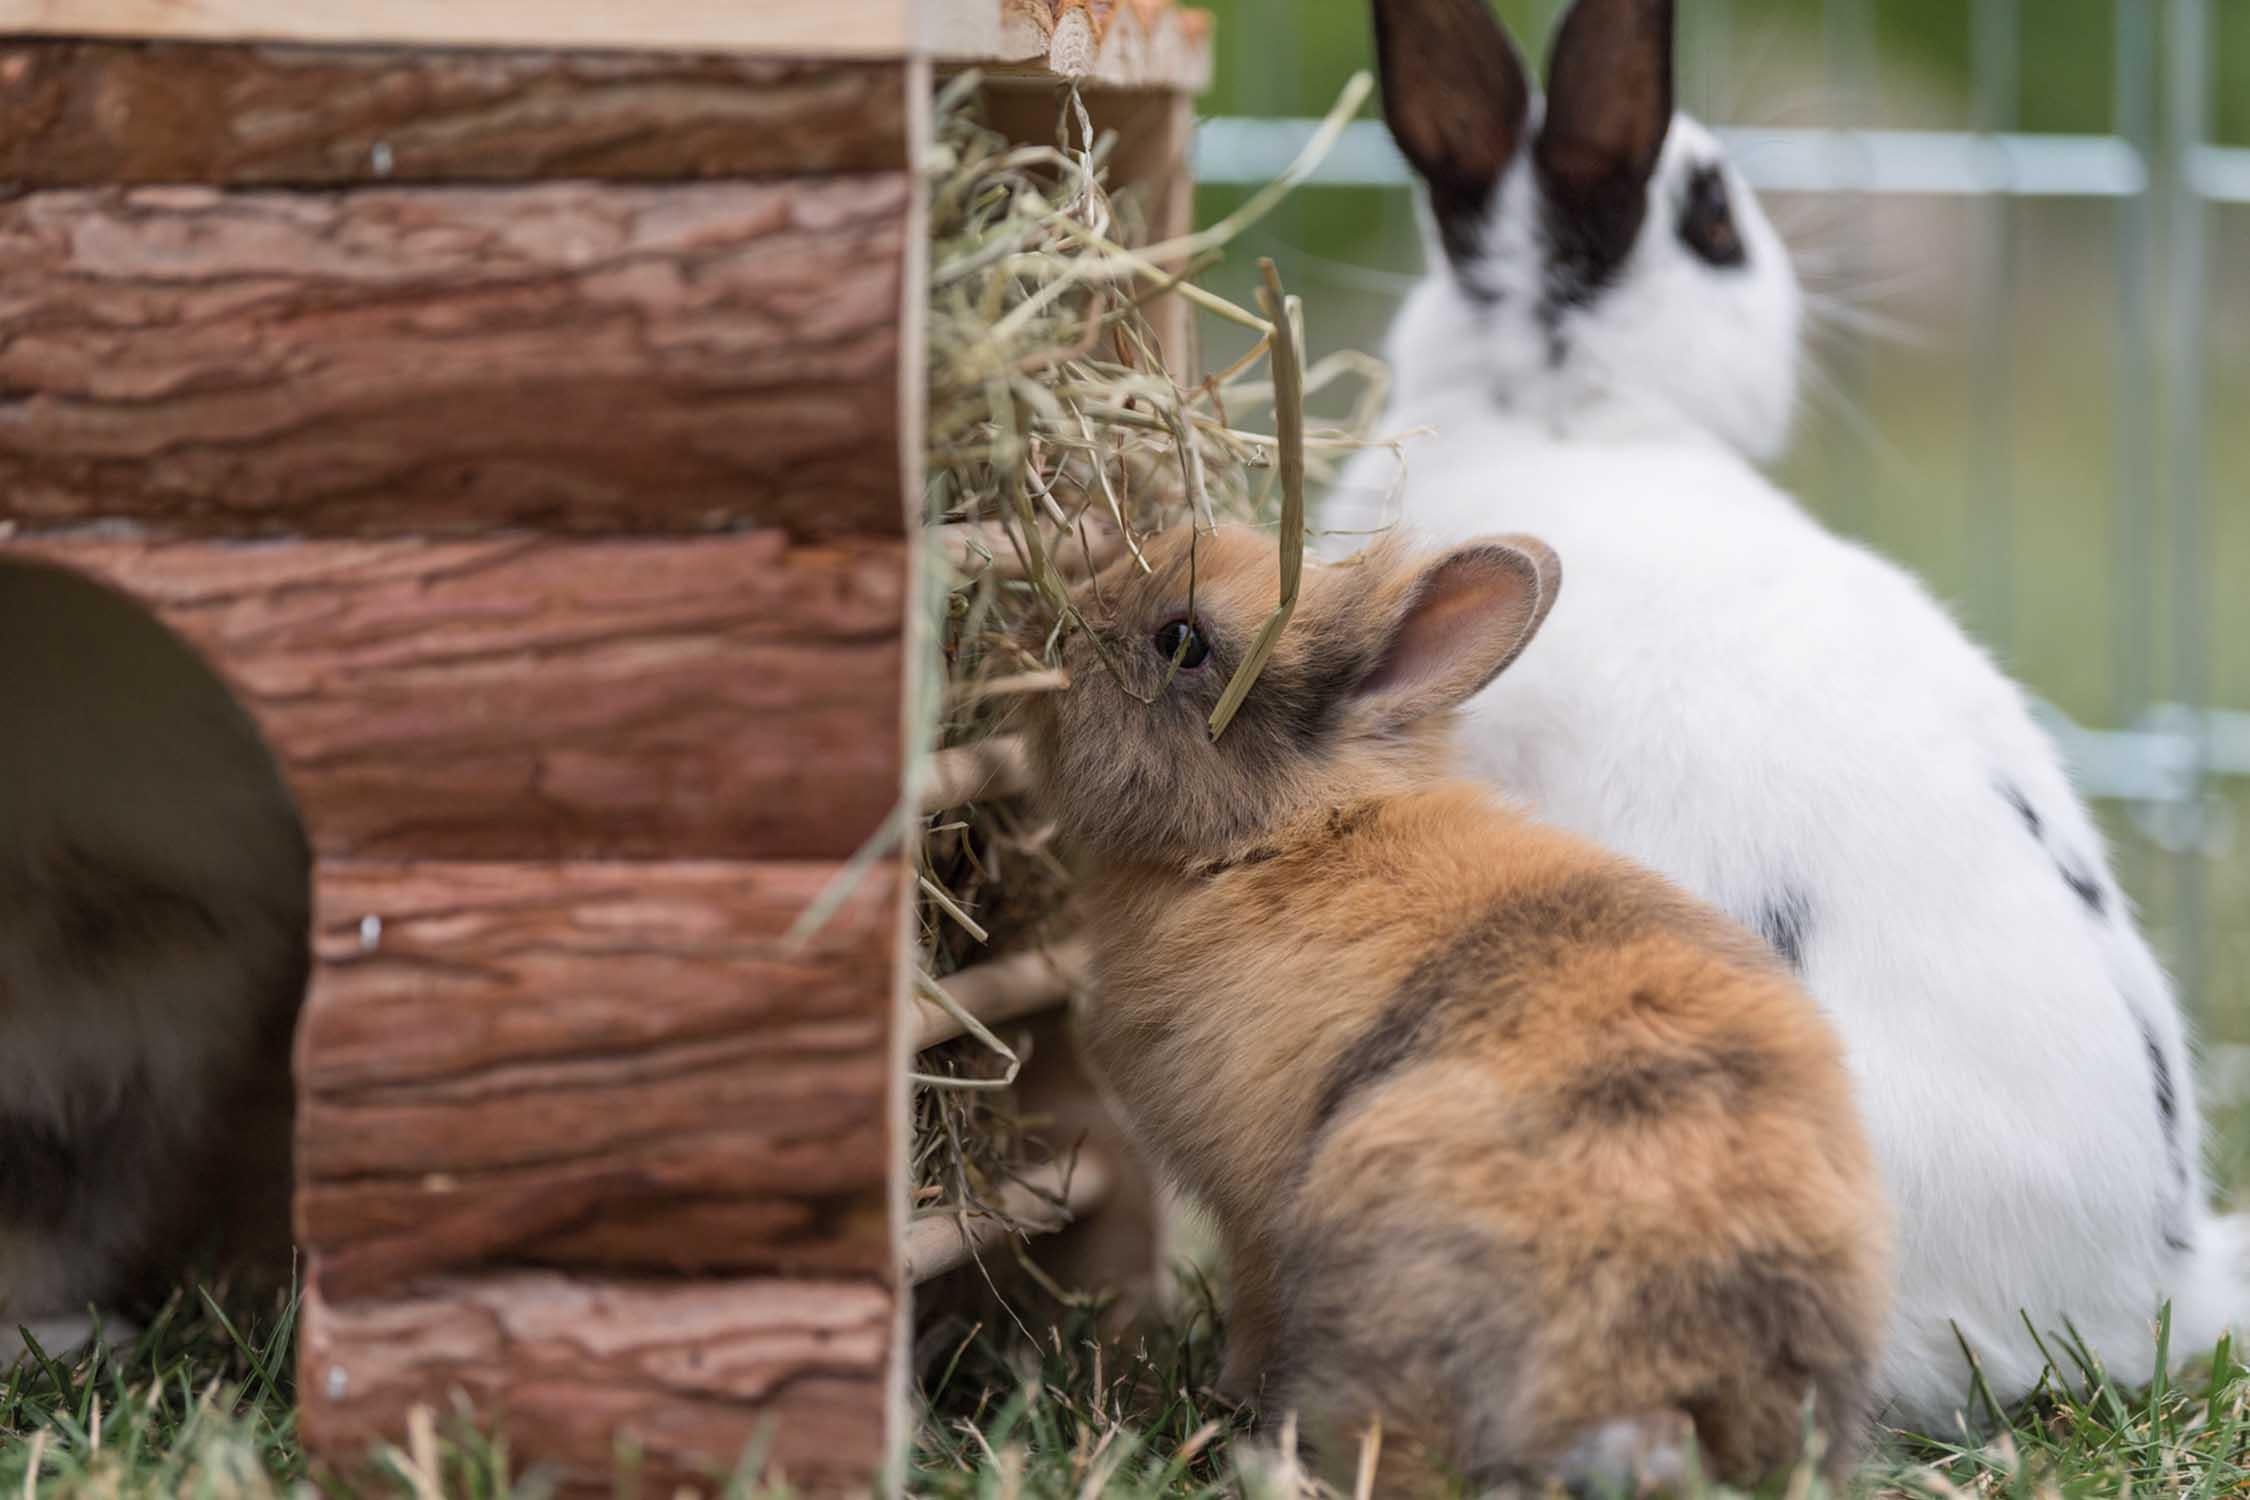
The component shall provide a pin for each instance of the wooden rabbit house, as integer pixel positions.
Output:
(518, 403)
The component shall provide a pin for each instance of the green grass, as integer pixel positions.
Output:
(200, 1405)
(197, 1404)
(1078, 1414)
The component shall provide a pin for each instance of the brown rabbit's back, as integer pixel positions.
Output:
(1587, 1152)
(1511, 1145)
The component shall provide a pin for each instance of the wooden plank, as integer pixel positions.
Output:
(1151, 174)
(774, 28)
(80, 113)
(527, 698)
(1122, 43)
(577, 1370)
(1125, 44)
(630, 1067)
(571, 356)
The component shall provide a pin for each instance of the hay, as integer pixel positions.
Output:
(1056, 440)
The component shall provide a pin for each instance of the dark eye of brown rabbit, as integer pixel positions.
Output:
(1170, 639)
(1707, 222)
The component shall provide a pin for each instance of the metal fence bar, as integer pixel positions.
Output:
(1242, 150)
(2134, 447)
(1995, 48)
(2160, 167)
(2220, 174)
(1848, 47)
(2187, 91)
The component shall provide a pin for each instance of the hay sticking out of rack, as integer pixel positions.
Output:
(1057, 439)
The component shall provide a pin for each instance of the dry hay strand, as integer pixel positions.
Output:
(1058, 437)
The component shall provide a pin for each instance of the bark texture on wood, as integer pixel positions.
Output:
(79, 113)
(572, 356)
(1126, 44)
(779, 28)
(520, 698)
(1150, 174)
(574, 1370)
(631, 1067)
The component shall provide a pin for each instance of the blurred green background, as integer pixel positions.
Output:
(2012, 427)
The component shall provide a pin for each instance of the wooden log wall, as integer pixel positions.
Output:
(556, 532)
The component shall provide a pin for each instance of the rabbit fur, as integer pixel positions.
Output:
(153, 952)
(1781, 721)
(1513, 1147)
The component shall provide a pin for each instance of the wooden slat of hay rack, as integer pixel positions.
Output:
(518, 402)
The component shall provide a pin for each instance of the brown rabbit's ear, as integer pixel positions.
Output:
(1609, 107)
(1455, 95)
(1466, 615)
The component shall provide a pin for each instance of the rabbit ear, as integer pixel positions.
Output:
(1464, 617)
(1609, 106)
(1455, 96)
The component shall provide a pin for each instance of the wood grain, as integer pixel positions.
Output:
(1121, 44)
(630, 1067)
(777, 28)
(573, 356)
(527, 698)
(573, 1370)
(81, 113)
(1151, 172)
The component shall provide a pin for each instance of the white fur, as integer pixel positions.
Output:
(1760, 709)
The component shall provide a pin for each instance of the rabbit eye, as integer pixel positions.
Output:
(1707, 221)
(1180, 638)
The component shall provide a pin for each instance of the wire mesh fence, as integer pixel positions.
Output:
(2051, 431)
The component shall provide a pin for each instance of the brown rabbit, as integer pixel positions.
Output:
(1514, 1146)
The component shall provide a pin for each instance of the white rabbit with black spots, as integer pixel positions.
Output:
(1780, 720)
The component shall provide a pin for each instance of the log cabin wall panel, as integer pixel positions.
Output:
(477, 338)
(691, 1369)
(772, 28)
(531, 698)
(568, 356)
(411, 451)
(649, 1071)
(103, 113)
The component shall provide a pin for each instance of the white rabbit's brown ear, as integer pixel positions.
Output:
(1465, 616)
(1609, 107)
(1455, 96)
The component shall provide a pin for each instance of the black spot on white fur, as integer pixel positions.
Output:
(2168, 1116)
(1783, 922)
(1579, 268)
(2167, 1100)
(2088, 889)
(2082, 885)
(2022, 804)
(2167, 1097)
(1706, 222)
(2074, 872)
